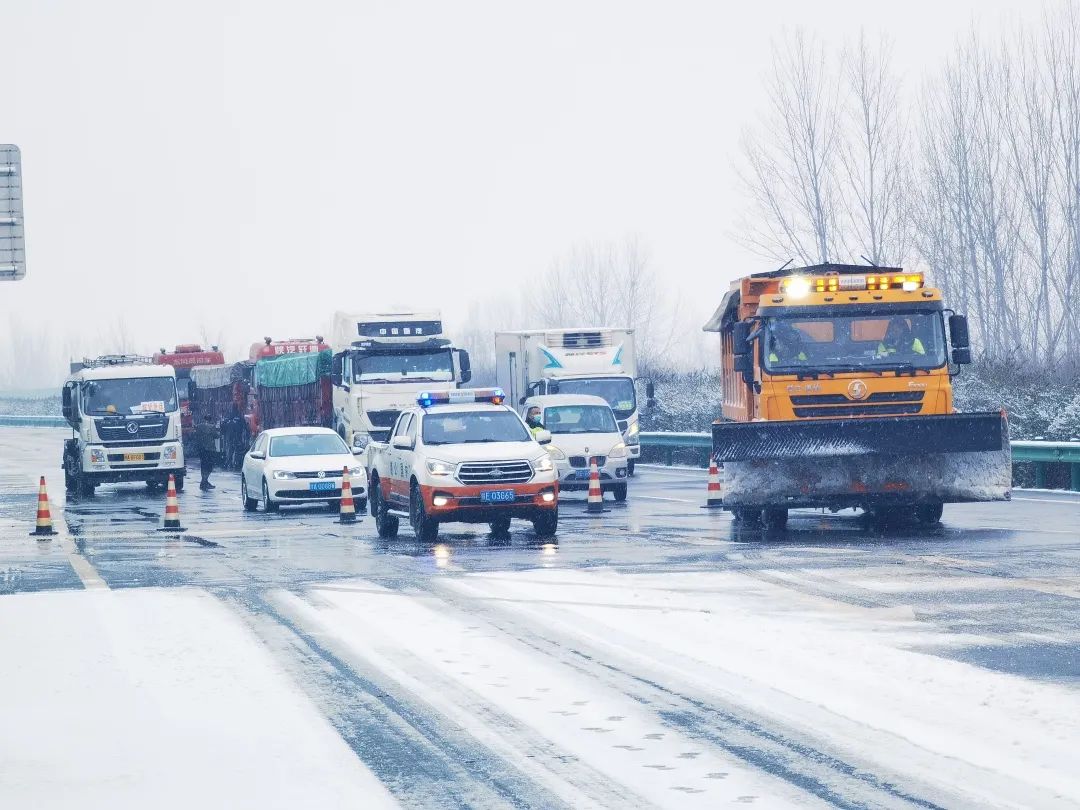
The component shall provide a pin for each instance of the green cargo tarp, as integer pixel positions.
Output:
(284, 370)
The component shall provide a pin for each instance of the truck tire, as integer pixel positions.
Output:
(775, 518)
(426, 527)
(547, 524)
(500, 527)
(268, 504)
(929, 514)
(179, 482)
(619, 491)
(385, 524)
(746, 514)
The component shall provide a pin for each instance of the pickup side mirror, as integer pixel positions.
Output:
(258, 454)
(740, 338)
(961, 356)
(358, 451)
(543, 436)
(403, 442)
(958, 333)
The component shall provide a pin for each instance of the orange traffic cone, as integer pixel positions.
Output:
(715, 496)
(44, 516)
(596, 496)
(172, 509)
(348, 508)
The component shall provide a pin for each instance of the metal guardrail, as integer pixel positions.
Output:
(32, 421)
(1040, 453)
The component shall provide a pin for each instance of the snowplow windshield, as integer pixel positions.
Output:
(129, 396)
(897, 341)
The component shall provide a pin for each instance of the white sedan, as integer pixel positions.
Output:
(300, 465)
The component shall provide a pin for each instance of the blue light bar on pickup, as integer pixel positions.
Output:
(461, 396)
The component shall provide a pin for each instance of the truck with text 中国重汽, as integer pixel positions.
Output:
(183, 359)
(381, 362)
(125, 418)
(595, 361)
(837, 393)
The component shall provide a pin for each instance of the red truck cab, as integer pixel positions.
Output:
(184, 358)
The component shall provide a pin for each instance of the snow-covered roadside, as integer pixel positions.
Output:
(163, 699)
(843, 674)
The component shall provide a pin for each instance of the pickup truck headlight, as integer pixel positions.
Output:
(618, 451)
(543, 464)
(440, 468)
(555, 453)
(283, 475)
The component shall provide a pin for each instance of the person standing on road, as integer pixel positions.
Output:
(532, 419)
(206, 436)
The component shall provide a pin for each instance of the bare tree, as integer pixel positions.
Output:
(792, 158)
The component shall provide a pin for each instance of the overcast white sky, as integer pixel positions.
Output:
(252, 166)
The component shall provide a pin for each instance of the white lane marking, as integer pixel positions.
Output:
(1061, 501)
(661, 498)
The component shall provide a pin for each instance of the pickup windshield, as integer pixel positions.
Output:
(617, 391)
(433, 366)
(901, 341)
(579, 419)
(473, 427)
(308, 444)
(129, 396)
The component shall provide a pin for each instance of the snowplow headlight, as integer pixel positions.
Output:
(797, 286)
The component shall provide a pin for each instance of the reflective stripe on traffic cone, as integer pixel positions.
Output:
(44, 516)
(715, 496)
(596, 496)
(172, 509)
(348, 508)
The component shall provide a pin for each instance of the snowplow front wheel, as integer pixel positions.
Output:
(929, 513)
(746, 514)
(775, 518)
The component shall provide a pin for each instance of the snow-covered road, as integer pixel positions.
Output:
(653, 657)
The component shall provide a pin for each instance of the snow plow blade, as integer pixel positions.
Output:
(859, 462)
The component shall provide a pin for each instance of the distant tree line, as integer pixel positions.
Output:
(974, 177)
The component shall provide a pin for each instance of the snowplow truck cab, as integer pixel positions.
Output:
(837, 393)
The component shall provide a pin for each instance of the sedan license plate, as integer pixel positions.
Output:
(322, 486)
(134, 457)
(497, 496)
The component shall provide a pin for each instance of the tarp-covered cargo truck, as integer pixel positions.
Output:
(837, 393)
(184, 358)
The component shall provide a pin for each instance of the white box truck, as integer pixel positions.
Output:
(381, 362)
(599, 361)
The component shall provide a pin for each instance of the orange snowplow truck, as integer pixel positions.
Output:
(837, 393)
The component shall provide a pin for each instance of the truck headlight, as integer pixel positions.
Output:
(360, 440)
(618, 451)
(283, 475)
(97, 456)
(632, 433)
(555, 453)
(440, 468)
(543, 464)
(169, 454)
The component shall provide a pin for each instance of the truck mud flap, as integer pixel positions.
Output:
(872, 436)
(944, 459)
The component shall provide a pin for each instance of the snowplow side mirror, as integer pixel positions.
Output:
(650, 395)
(744, 363)
(740, 338)
(958, 334)
(465, 365)
(961, 356)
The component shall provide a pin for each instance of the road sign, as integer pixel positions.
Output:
(12, 250)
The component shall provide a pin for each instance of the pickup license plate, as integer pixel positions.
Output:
(322, 486)
(497, 496)
(134, 457)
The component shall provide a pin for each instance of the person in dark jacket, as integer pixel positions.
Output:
(206, 436)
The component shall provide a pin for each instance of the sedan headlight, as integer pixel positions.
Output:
(618, 451)
(283, 475)
(543, 464)
(440, 468)
(555, 453)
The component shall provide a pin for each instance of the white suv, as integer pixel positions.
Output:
(462, 456)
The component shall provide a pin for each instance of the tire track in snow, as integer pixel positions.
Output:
(421, 762)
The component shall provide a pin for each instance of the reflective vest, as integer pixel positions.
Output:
(774, 359)
(916, 347)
